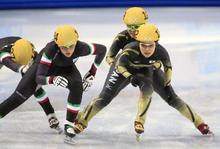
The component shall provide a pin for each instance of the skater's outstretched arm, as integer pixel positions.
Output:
(91, 49)
(47, 55)
(98, 50)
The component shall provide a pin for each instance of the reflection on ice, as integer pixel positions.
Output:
(193, 44)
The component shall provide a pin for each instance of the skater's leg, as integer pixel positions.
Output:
(74, 98)
(24, 90)
(43, 100)
(144, 101)
(96, 105)
(109, 91)
(143, 105)
(169, 95)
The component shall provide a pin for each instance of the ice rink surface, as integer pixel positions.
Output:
(192, 37)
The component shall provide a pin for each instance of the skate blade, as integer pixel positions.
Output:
(58, 130)
(69, 140)
(138, 137)
(210, 134)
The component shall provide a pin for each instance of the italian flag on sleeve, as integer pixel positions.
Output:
(45, 60)
(92, 48)
(4, 55)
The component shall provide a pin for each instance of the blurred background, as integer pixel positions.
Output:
(189, 31)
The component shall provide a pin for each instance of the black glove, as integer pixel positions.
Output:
(136, 80)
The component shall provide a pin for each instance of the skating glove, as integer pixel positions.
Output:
(136, 80)
(60, 81)
(88, 78)
(110, 60)
(87, 81)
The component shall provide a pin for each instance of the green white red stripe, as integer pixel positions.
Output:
(96, 65)
(49, 80)
(45, 60)
(69, 123)
(4, 55)
(42, 98)
(92, 48)
(74, 108)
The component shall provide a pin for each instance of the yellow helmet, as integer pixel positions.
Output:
(65, 35)
(147, 33)
(135, 16)
(22, 51)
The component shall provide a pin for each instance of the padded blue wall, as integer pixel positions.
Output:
(25, 4)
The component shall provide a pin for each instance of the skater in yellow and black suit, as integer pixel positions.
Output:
(17, 54)
(55, 64)
(136, 65)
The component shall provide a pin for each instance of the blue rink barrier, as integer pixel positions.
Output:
(30, 4)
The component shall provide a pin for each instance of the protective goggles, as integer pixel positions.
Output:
(133, 27)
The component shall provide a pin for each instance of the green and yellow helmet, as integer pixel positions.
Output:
(65, 35)
(22, 51)
(147, 33)
(135, 16)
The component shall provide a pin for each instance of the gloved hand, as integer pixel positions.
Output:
(136, 80)
(87, 81)
(89, 77)
(110, 60)
(60, 81)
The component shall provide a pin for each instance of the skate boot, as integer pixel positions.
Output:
(69, 134)
(54, 123)
(78, 127)
(139, 129)
(204, 129)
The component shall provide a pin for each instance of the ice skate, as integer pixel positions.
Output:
(58, 129)
(54, 123)
(69, 134)
(78, 127)
(139, 129)
(204, 129)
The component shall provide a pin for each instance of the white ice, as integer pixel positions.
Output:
(192, 37)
